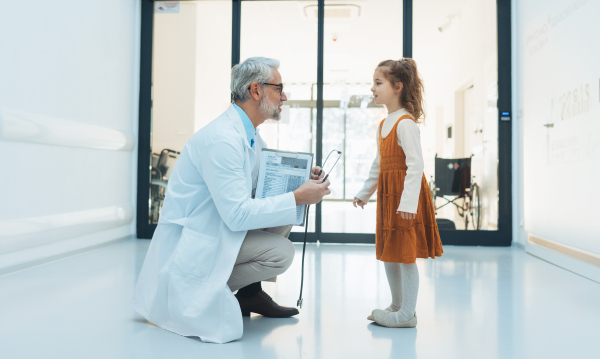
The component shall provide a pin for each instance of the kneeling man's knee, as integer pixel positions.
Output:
(286, 253)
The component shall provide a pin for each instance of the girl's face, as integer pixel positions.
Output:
(383, 92)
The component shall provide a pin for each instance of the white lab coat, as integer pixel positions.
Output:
(206, 214)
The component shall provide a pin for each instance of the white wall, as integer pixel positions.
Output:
(174, 78)
(213, 68)
(191, 70)
(556, 82)
(68, 124)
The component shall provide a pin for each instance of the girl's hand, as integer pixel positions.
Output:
(406, 215)
(358, 201)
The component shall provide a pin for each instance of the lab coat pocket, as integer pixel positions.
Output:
(195, 255)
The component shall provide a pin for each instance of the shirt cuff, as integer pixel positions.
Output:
(406, 206)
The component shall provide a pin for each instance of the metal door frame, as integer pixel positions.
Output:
(500, 237)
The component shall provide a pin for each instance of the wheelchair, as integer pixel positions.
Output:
(454, 184)
(162, 165)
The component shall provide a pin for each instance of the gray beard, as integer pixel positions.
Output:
(268, 109)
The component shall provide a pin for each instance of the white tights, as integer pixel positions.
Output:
(404, 285)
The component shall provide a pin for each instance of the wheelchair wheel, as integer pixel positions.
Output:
(158, 191)
(476, 206)
(433, 191)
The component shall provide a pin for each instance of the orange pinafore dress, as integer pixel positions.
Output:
(402, 240)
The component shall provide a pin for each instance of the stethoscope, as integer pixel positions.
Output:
(299, 304)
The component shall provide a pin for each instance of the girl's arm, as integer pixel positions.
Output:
(370, 185)
(409, 140)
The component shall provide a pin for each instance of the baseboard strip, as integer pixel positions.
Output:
(56, 257)
(576, 253)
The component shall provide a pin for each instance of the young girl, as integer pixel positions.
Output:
(406, 227)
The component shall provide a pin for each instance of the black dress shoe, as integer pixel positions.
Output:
(262, 303)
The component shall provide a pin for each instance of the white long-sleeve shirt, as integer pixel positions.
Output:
(409, 139)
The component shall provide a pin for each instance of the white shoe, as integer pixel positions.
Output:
(380, 317)
(387, 310)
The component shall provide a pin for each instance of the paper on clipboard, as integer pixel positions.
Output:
(282, 172)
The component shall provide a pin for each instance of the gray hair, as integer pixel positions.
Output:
(253, 69)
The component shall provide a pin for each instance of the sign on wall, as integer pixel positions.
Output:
(561, 81)
(166, 7)
(561, 123)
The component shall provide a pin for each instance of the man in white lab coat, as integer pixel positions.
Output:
(213, 236)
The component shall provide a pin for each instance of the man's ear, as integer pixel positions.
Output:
(255, 90)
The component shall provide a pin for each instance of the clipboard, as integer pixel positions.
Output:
(283, 172)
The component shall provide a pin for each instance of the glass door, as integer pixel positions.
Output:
(182, 102)
(356, 39)
(286, 31)
(456, 48)
(328, 51)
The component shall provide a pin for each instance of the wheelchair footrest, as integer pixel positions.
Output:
(445, 224)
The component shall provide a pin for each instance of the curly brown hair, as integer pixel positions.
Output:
(405, 71)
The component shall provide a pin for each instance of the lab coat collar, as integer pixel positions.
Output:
(238, 124)
(248, 125)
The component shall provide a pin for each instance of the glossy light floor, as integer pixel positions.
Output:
(473, 303)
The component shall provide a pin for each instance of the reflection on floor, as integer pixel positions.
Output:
(473, 303)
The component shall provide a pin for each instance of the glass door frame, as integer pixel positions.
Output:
(500, 237)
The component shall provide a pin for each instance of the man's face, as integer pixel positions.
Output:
(270, 104)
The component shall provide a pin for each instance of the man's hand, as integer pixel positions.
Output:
(312, 191)
(315, 173)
